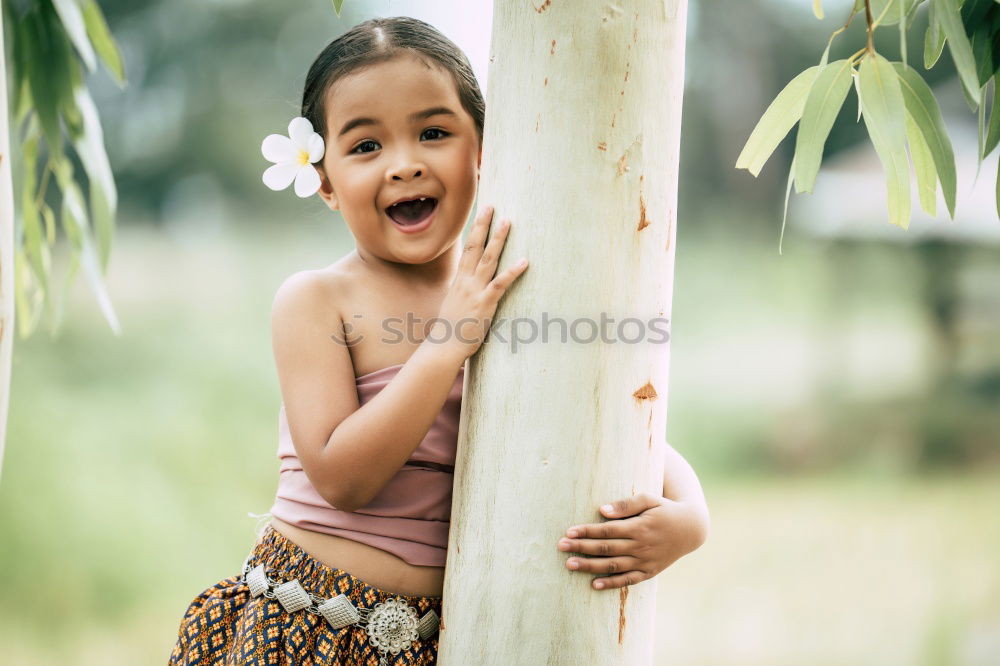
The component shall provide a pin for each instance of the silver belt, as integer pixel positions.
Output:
(391, 625)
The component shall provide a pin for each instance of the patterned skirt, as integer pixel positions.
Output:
(226, 625)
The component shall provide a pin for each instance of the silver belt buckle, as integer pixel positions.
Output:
(392, 627)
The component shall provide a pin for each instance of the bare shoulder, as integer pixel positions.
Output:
(312, 294)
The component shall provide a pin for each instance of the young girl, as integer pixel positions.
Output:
(350, 569)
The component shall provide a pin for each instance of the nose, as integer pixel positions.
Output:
(406, 168)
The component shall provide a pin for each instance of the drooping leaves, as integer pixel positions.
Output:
(777, 121)
(926, 116)
(883, 111)
(822, 106)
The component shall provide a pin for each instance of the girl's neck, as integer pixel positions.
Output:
(431, 275)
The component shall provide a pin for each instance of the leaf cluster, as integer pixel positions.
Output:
(898, 107)
(53, 44)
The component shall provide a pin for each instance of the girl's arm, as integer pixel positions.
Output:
(680, 483)
(349, 452)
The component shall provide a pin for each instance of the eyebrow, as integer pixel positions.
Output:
(419, 115)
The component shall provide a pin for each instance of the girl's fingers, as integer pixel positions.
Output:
(623, 528)
(620, 580)
(473, 249)
(488, 261)
(603, 565)
(602, 547)
(500, 283)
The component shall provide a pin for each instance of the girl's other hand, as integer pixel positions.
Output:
(467, 310)
(647, 536)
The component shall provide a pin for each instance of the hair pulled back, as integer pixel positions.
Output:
(378, 40)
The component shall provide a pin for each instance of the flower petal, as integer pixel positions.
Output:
(280, 175)
(316, 147)
(277, 148)
(299, 131)
(307, 181)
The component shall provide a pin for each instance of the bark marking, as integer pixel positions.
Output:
(603, 145)
(546, 82)
(647, 392)
(538, 119)
(622, 596)
(622, 162)
(552, 51)
(643, 220)
(545, 5)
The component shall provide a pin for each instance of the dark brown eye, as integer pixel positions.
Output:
(363, 143)
(438, 130)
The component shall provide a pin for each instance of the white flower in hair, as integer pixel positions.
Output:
(293, 157)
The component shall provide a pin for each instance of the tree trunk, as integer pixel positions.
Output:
(6, 251)
(581, 153)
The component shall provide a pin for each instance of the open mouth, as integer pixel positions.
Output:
(412, 214)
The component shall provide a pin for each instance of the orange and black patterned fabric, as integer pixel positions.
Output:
(224, 625)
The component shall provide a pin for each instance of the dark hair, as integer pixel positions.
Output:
(381, 39)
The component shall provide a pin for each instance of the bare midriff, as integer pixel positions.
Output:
(374, 566)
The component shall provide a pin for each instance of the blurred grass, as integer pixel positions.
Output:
(132, 462)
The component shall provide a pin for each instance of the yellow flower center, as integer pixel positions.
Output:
(303, 157)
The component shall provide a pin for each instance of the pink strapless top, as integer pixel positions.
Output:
(410, 516)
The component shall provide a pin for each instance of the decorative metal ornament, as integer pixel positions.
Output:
(339, 611)
(428, 624)
(392, 626)
(291, 596)
(257, 581)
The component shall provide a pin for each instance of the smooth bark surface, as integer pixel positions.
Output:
(581, 153)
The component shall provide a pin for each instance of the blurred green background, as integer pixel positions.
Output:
(840, 401)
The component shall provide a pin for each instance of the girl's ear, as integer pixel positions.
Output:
(326, 190)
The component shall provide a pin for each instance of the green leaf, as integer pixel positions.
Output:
(923, 107)
(898, 10)
(788, 191)
(882, 101)
(26, 313)
(923, 165)
(30, 214)
(73, 213)
(947, 14)
(933, 39)
(74, 217)
(100, 35)
(984, 35)
(998, 188)
(337, 5)
(103, 193)
(822, 106)
(72, 20)
(44, 81)
(71, 114)
(777, 121)
(993, 133)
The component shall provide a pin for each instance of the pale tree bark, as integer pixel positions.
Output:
(6, 252)
(581, 152)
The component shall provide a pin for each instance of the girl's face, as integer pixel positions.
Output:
(397, 130)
